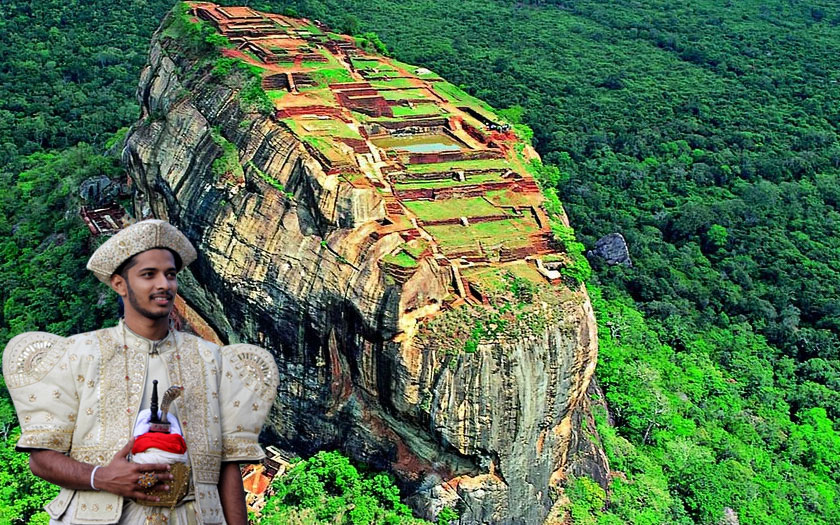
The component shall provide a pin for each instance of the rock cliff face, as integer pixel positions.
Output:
(368, 364)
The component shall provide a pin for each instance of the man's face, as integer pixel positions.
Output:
(151, 284)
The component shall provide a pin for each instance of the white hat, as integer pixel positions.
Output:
(137, 238)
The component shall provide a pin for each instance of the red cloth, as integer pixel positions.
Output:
(167, 442)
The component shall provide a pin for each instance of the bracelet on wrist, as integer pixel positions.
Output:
(92, 474)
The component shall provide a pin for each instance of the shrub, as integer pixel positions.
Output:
(328, 488)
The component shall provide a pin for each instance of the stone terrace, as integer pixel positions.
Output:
(454, 177)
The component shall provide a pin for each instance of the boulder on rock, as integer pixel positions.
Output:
(613, 249)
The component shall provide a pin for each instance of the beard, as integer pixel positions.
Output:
(132, 299)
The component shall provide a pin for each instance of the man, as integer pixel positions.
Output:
(78, 398)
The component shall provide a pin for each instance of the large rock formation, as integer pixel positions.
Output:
(371, 362)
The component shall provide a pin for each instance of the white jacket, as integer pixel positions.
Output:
(80, 395)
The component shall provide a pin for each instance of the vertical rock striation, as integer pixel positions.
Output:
(366, 363)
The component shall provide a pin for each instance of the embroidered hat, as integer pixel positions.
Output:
(137, 238)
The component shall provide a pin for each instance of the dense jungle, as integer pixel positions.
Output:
(706, 133)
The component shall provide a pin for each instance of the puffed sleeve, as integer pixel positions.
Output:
(248, 387)
(38, 376)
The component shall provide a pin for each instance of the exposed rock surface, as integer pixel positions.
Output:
(365, 362)
(586, 454)
(613, 249)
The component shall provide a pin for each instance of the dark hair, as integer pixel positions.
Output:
(123, 268)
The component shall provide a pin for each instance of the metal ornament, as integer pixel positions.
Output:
(147, 480)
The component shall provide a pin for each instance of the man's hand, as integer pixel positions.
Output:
(118, 477)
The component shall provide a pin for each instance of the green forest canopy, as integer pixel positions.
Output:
(705, 132)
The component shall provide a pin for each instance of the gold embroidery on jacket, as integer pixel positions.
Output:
(31, 357)
(195, 408)
(257, 374)
(234, 448)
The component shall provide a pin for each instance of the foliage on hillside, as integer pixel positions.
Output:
(44, 286)
(70, 70)
(328, 489)
(692, 438)
(43, 281)
(21, 494)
